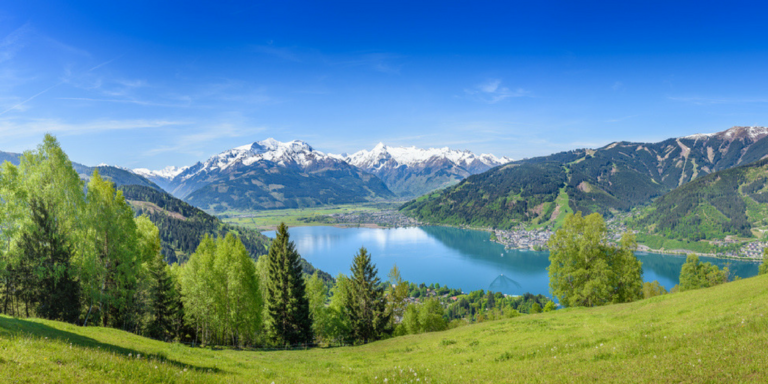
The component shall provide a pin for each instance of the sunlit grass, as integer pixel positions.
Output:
(718, 334)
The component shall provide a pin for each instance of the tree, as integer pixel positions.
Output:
(763, 268)
(46, 254)
(411, 320)
(162, 301)
(535, 308)
(317, 294)
(340, 328)
(695, 274)
(220, 292)
(367, 307)
(109, 262)
(586, 270)
(47, 175)
(651, 289)
(550, 306)
(397, 292)
(431, 316)
(288, 307)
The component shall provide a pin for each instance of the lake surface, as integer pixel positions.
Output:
(460, 258)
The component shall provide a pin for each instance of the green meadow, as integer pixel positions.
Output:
(715, 335)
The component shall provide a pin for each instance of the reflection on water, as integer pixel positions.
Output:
(460, 258)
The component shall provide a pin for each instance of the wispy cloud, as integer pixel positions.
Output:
(19, 105)
(491, 91)
(33, 127)
(695, 100)
(127, 101)
(13, 42)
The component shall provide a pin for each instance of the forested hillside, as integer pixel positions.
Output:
(730, 202)
(182, 226)
(613, 178)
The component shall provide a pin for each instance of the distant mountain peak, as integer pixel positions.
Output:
(754, 133)
(412, 171)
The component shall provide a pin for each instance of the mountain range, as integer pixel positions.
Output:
(270, 174)
(614, 178)
(411, 171)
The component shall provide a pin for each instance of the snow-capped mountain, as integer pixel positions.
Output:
(411, 171)
(408, 171)
(753, 133)
(270, 174)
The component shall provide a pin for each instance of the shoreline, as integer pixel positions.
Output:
(641, 247)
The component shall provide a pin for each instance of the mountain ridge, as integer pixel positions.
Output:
(613, 178)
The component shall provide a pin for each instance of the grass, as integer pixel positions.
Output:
(270, 219)
(713, 335)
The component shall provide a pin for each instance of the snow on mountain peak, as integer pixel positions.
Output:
(412, 156)
(168, 172)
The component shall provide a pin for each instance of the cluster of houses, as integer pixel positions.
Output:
(385, 218)
(521, 238)
(753, 250)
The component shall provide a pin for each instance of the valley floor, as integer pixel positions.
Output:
(718, 334)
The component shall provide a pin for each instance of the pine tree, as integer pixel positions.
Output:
(287, 307)
(46, 258)
(367, 307)
(163, 307)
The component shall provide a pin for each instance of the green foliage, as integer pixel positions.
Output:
(220, 292)
(320, 313)
(288, 307)
(763, 268)
(366, 308)
(587, 271)
(397, 293)
(652, 289)
(46, 277)
(696, 275)
(109, 261)
(550, 306)
(535, 308)
(431, 316)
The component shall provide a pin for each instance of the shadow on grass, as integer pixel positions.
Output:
(25, 328)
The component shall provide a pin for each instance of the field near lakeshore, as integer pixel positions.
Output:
(717, 334)
(267, 220)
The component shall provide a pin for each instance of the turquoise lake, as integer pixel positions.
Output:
(460, 258)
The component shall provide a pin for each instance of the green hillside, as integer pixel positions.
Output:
(614, 178)
(717, 334)
(730, 202)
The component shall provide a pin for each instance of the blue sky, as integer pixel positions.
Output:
(139, 84)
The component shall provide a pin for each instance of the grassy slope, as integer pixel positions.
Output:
(714, 335)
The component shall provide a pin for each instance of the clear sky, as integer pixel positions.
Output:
(156, 83)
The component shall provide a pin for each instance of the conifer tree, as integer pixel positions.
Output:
(163, 307)
(46, 254)
(288, 307)
(367, 307)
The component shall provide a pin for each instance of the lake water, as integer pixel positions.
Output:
(460, 258)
